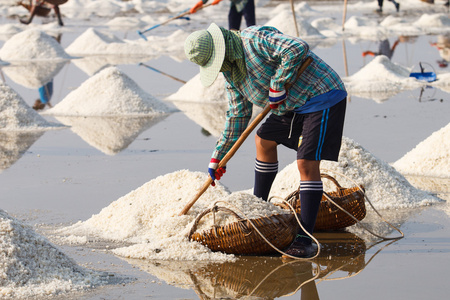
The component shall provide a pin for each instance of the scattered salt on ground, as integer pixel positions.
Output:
(148, 216)
(32, 44)
(385, 187)
(15, 114)
(194, 91)
(431, 157)
(30, 266)
(108, 93)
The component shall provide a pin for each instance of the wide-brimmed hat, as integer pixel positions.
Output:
(206, 48)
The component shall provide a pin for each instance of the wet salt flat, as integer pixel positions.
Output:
(90, 188)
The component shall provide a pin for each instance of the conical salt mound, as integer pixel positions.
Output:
(109, 93)
(32, 44)
(431, 157)
(31, 266)
(15, 114)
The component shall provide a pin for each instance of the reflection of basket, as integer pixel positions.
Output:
(424, 76)
(241, 237)
(331, 217)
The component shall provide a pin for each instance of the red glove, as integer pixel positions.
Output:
(196, 7)
(276, 98)
(214, 172)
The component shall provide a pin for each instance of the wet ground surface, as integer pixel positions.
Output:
(60, 177)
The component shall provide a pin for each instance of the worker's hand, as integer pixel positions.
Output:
(215, 2)
(276, 98)
(214, 172)
(196, 7)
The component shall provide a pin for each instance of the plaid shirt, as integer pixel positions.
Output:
(272, 60)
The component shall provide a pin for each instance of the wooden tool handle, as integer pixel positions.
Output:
(238, 144)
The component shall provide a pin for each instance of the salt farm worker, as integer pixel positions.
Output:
(238, 9)
(45, 94)
(258, 63)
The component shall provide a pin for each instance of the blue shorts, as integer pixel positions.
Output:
(315, 136)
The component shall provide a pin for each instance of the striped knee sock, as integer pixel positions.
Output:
(310, 197)
(264, 176)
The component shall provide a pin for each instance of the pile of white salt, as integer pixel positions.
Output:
(32, 44)
(30, 266)
(385, 187)
(430, 157)
(109, 93)
(148, 218)
(16, 115)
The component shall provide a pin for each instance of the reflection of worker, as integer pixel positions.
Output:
(384, 48)
(443, 45)
(261, 67)
(36, 4)
(45, 94)
(238, 9)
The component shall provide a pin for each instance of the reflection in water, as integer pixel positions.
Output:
(110, 134)
(33, 74)
(14, 144)
(343, 255)
(209, 115)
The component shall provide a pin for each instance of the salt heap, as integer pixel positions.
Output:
(385, 187)
(108, 93)
(380, 76)
(30, 266)
(431, 157)
(195, 91)
(32, 44)
(148, 216)
(284, 22)
(15, 114)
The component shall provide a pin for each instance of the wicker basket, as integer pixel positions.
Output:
(331, 217)
(241, 237)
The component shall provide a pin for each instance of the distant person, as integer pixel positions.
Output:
(36, 5)
(45, 94)
(384, 48)
(238, 9)
(380, 6)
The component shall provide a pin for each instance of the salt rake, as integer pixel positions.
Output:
(239, 142)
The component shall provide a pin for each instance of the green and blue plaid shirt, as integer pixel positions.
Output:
(272, 60)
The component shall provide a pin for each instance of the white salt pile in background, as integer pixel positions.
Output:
(195, 91)
(380, 75)
(15, 114)
(384, 186)
(30, 266)
(430, 157)
(94, 42)
(108, 93)
(32, 44)
(148, 217)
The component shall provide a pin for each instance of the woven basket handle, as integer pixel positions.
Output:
(339, 188)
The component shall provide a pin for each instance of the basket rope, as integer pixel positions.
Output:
(371, 205)
(216, 208)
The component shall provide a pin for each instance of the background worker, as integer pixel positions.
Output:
(238, 9)
(260, 65)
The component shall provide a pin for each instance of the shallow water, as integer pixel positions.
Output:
(62, 176)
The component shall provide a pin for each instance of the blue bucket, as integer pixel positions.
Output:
(424, 76)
